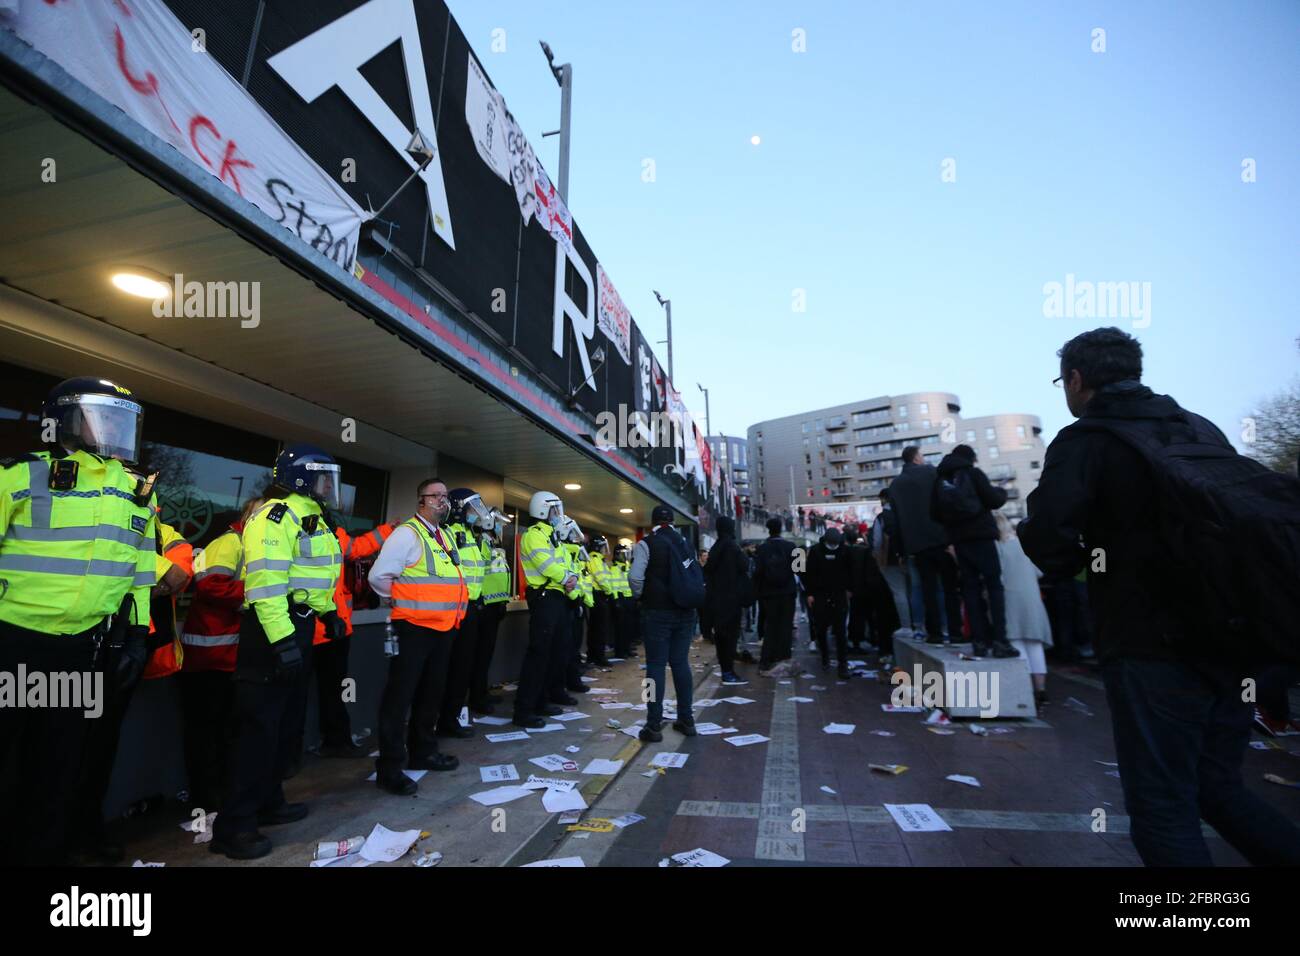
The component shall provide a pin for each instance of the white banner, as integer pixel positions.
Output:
(612, 315)
(140, 58)
(507, 152)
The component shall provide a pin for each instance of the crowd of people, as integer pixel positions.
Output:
(1181, 614)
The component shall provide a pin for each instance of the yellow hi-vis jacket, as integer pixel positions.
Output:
(289, 550)
(602, 575)
(472, 563)
(583, 591)
(618, 575)
(496, 580)
(545, 563)
(70, 556)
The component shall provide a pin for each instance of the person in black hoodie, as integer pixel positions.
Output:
(1174, 689)
(723, 579)
(828, 581)
(775, 583)
(974, 541)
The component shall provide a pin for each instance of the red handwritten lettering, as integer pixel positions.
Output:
(197, 121)
(228, 164)
(147, 86)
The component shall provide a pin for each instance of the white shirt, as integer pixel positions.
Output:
(401, 550)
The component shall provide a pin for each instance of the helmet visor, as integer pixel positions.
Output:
(477, 514)
(325, 486)
(107, 426)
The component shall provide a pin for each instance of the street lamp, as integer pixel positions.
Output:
(707, 433)
(668, 309)
(564, 77)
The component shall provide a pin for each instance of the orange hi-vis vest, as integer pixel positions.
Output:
(431, 592)
(362, 546)
(173, 550)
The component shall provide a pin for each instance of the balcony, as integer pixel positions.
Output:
(842, 493)
(835, 424)
(835, 456)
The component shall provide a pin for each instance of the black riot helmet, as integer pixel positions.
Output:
(97, 416)
(467, 508)
(309, 470)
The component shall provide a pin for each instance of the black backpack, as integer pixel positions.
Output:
(685, 576)
(955, 498)
(778, 574)
(1231, 529)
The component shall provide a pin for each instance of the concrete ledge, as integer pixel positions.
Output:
(961, 685)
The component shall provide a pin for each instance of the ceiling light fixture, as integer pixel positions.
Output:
(572, 486)
(139, 282)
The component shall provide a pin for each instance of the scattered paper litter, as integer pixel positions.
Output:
(747, 739)
(707, 703)
(712, 730)
(415, 775)
(428, 858)
(696, 857)
(570, 816)
(545, 729)
(560, 861)
(906, 709)
(669, 760)
(504, 738)
(569, 715)
(142, 863)
(385, 845)
(201, 827)
(492, 721)
(634, 730)
(941, 731)
(807, 676)
(490, 798)
(557, 801)
(894, 768)
(963, 778)
(857, 663)
(498, 772)
(737, 700)
(626, 820)
(551, 762)
(1073, 703)
(602, 766)
(785, 682)
(549, 783)
(881, 733)
(572, 748)
(1106, 763)
(839, 728)
(1282, 781)
(800, 700)
(817, 687)
(615, 706)
(937, 718)
(828, 790)
(604, 690)
(979, 730)
(917, 817)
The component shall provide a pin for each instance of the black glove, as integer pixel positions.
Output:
(335, 627)
(288, 660)
(131, 659)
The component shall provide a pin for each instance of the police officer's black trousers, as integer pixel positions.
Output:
(489, 622)
(41, 748)
(86, 828)
(460, 671)
(330, 661)
(207, 705)
(548, 625)
(623, 619)
(417, 677)
(566, 668)
(266, 727)
(859, 613)
(598, 626)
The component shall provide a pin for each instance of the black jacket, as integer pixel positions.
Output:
(774, 568)
(828, 572)
(982, 527)
(910, 495)
(1098, 493)
(723, 572)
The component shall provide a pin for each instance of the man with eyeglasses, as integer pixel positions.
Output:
(418, 570)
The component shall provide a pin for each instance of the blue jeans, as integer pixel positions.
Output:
(668, 634)
(1181, 731)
